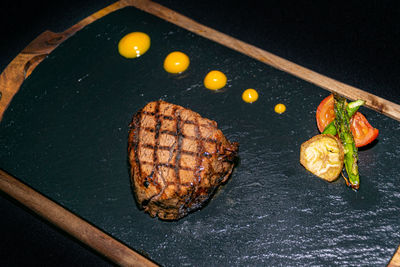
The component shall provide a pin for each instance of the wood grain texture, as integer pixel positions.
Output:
(22, 66)
(25, 62)
(395, 261)
(372, 101)
(72, 224)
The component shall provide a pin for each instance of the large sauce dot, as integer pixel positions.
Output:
(176, 62)
(250, 95)
(134, 44)
(215, 80)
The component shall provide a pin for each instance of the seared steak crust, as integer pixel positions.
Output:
(177, 159)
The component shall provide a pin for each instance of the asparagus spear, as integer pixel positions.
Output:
(342, 124)
(351, 110)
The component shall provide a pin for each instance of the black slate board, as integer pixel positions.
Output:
(65, 134)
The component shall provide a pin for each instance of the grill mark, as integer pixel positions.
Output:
(196, 122)
(194, 138)
(168, 132)
(189, 122)
(190, 153)
(170, 118)
(197, 170)
(207, 140)
(168, 148)
(149, 112)
(148, 129)
(147, 146)
(136, 133)
(156, 138)
(200, 148)
(155, 113)
(178, 151)
(154, 163)
(168, 165)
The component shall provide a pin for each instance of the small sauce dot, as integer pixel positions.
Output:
(250, 95)
(280, 108)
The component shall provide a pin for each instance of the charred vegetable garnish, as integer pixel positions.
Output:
(363, 132)
(340, 121)
(351, 110)
(342, 124)
(323, 156)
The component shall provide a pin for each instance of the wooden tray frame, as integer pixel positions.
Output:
(24, 63)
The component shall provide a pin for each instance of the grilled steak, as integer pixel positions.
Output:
(177, 159)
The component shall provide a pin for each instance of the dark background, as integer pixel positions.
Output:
(355, 42)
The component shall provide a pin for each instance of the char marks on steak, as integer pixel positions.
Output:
(177, 159)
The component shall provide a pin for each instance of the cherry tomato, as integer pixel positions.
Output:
(362, 131)
(325, 112)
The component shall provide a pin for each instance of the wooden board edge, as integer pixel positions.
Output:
(374, 102)
(25, 62)
(72, 224)
(22, 66)
(395, 261)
